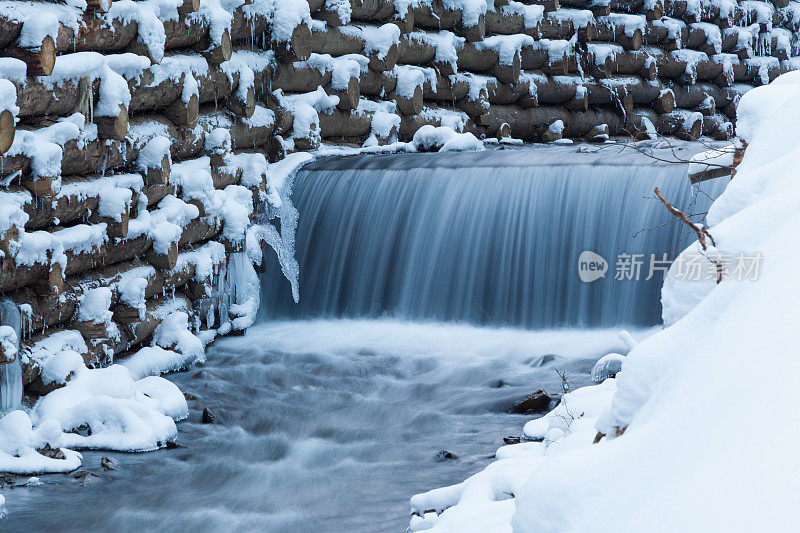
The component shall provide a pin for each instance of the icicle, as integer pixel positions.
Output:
(11, 373)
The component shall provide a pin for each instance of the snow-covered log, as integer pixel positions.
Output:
(378, 43)
(383, 11)
(435, 15)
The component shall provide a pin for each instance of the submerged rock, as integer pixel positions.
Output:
(535, 403)
(444, 455)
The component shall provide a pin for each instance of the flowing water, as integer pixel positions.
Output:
(429, 294)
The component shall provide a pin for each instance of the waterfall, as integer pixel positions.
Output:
(11, 373)
(490, 238)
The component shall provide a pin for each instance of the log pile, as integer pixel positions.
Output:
(136, 140)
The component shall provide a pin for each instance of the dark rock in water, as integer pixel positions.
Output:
(444, 455)
(86, 477)
(52, 453)
(535, 403)
(208, 416)
(511, 440)
(172, 445)
(189, 396)
(108, 463)
(198, 375)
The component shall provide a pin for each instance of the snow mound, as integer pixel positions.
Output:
(19, 442)
(444, 139)
(105, 408)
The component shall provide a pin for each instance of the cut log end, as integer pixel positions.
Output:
(474, 33)
(219, 53)
(40, 61)
(113, 127)
(405, 21)
(184, 113)
(387, 62)
(167, 260)
(298, 47)
(98, 6)
(348, 98)
(410, 105)
(7, 131)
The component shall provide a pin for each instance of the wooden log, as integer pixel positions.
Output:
(614, 93)
(668, 37)
(700, 38)
(42, 187)
(336, 42)
(418, 49)
(682, 124)
(409, 104)
(691, 96)
(183, 113)
(437, 16)
(501, 21)
(653, 11)
(555, 27)
(556, 90)
(97, 33)
(599, 133)
(610, 31)
(447, 89)
(163, 259)
(372, 83)
(7, 130)
(299, 77)
(139, 326)
(479, 58)
(638, 62)
(240, 104)
(718, 127)
(348, 95)
(49, 308)
(298, 47)
(384, 11)
(664, 102)
(113, 127)
(284, 119)
(39, 61)
(98, 6)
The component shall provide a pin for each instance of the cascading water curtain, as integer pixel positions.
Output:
(482, 245)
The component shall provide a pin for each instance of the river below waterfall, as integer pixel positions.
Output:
(436, 290)
(320, 426)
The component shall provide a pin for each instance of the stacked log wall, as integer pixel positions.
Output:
(136, 137)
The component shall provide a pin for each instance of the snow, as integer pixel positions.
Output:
(676, 451)
(153, 361)
(93, 306)
(532, 14)
(410, 77)
(107, 401)
(377, 39)
(19, 441)
(444, 139)
(445, 42)
(173, 333)
(507, 46)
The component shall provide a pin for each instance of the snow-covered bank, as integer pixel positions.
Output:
(703, 407)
